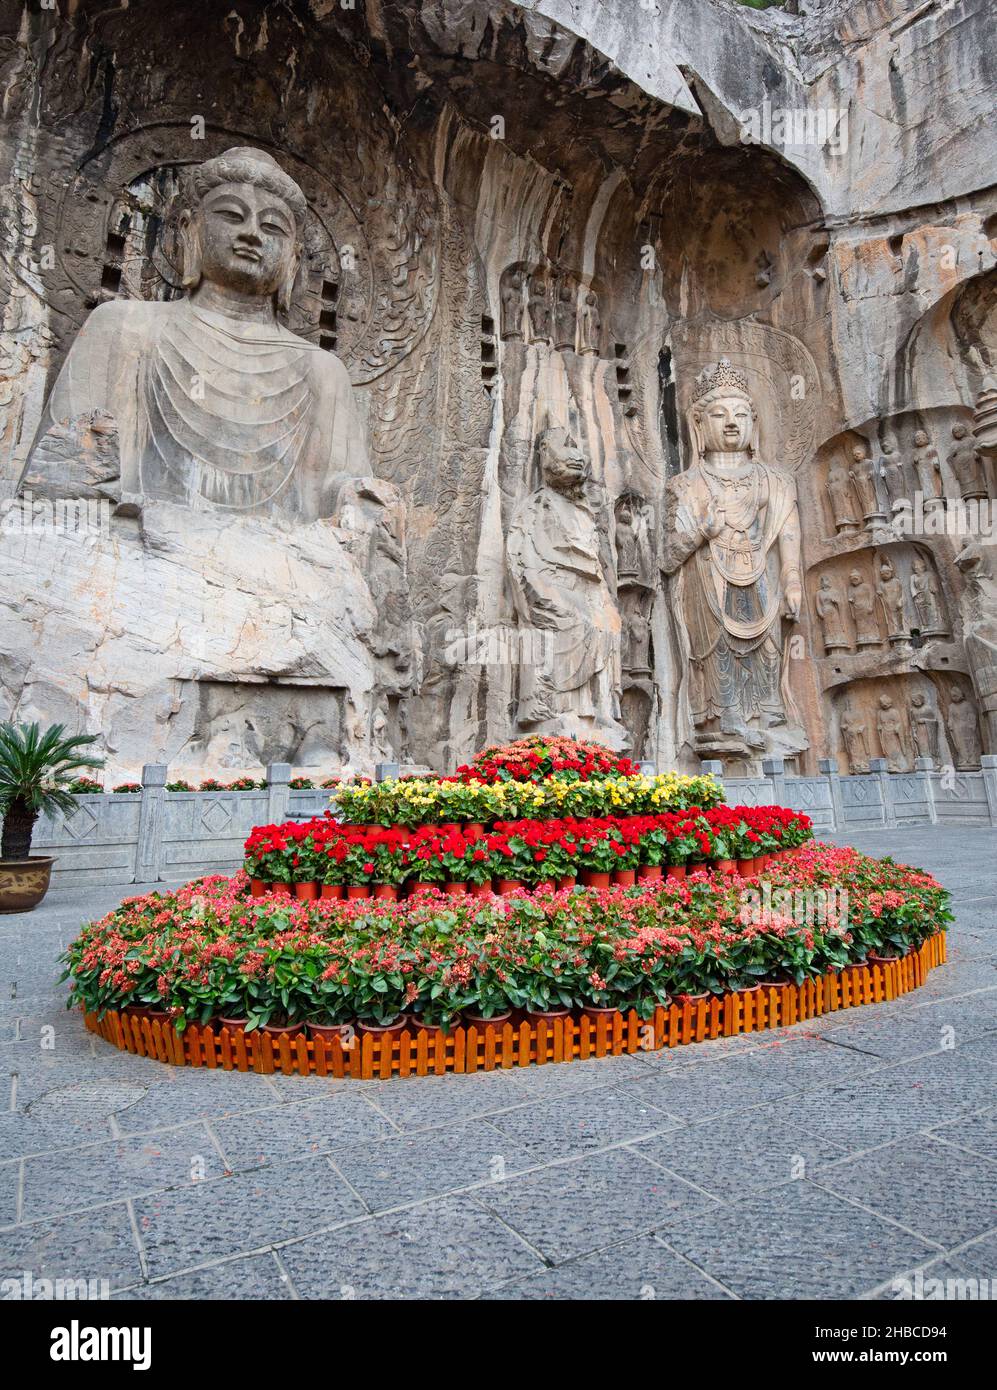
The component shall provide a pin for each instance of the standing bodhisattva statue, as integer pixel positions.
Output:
(216, 404)
(732, 545)
(569, 684)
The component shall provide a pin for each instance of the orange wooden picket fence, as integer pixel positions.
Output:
(486, 1048)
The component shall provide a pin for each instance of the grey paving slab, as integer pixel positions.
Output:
(573, 1208)
(943, 1194)
(731, 1155)
(449, 1248)
(93, 1173)
(553, 1079)
(87, 1245)
(178, 1096)
(711, 1089)
(427, 1102)
(571, 1124)
(411, 1167)
(256, 1277)
(975, 1133)
(21, 1133)
(242, 1213)
(10, 1179)
(796, 1241)
(295, 1130)
(641, 1269)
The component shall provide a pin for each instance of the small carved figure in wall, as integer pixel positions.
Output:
(966, 465)
(891, 471)
(636, 643)
(924, 727)
(829, 603)
(627, 559)
(539, 307)
(962, 729)
(927, 600)
(844, 507)
(890, 728)
(927, 466)
(863, 473)
(862, 602)
(512, 305)
(562, 594)
(853, 732)
(564, 316)
(591, 323)
(891, 596)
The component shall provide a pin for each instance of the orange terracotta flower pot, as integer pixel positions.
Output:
(419, 887)
(480, 890)
(331, 890)
(455, 890)
(650, 873)
(308, 891)
(547, 883)
(505, 886)
(378, 1030)
(568, 881)
(357, 890)
(545, 1015)
(594, 878)
(726, 867)
(257, 887)
(677, 870)
(625, 878)
(387, 892)
(280, 890)
(746, 868)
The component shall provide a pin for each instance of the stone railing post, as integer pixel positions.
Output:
(988, 766)
(149, 850)
(828, 767)
(879, 767)
(775, 770)
(648, 769)
(712, 767)
(923, 768)
(278, 776)
(383, 772)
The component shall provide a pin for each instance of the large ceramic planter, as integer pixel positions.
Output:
(24, 882)
(594, 878)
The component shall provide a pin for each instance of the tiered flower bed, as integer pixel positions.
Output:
(453, 976)
(325, 858)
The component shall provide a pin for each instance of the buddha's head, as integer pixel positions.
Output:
(959, 431)
(243, 225)
(722, 417)
(562, 463)
(920, 439)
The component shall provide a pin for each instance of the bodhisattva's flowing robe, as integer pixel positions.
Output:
(729, 590)
(560, 590)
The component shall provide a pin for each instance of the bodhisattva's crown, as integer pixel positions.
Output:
(724, 376)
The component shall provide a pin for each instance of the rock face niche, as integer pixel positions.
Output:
(393, 434)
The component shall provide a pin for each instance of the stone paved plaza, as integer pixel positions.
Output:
(817, 1162)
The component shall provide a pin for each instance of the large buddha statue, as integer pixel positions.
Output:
(732, 545)
(216, 404)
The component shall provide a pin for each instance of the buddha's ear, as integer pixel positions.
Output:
(189, 236)
(285, 289)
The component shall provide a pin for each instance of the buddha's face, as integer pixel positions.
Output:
(726, 424)
(248, 239)
(959, 432)
(563, 466)
(920, 439)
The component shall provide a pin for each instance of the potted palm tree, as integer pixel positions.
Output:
(35, 771)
